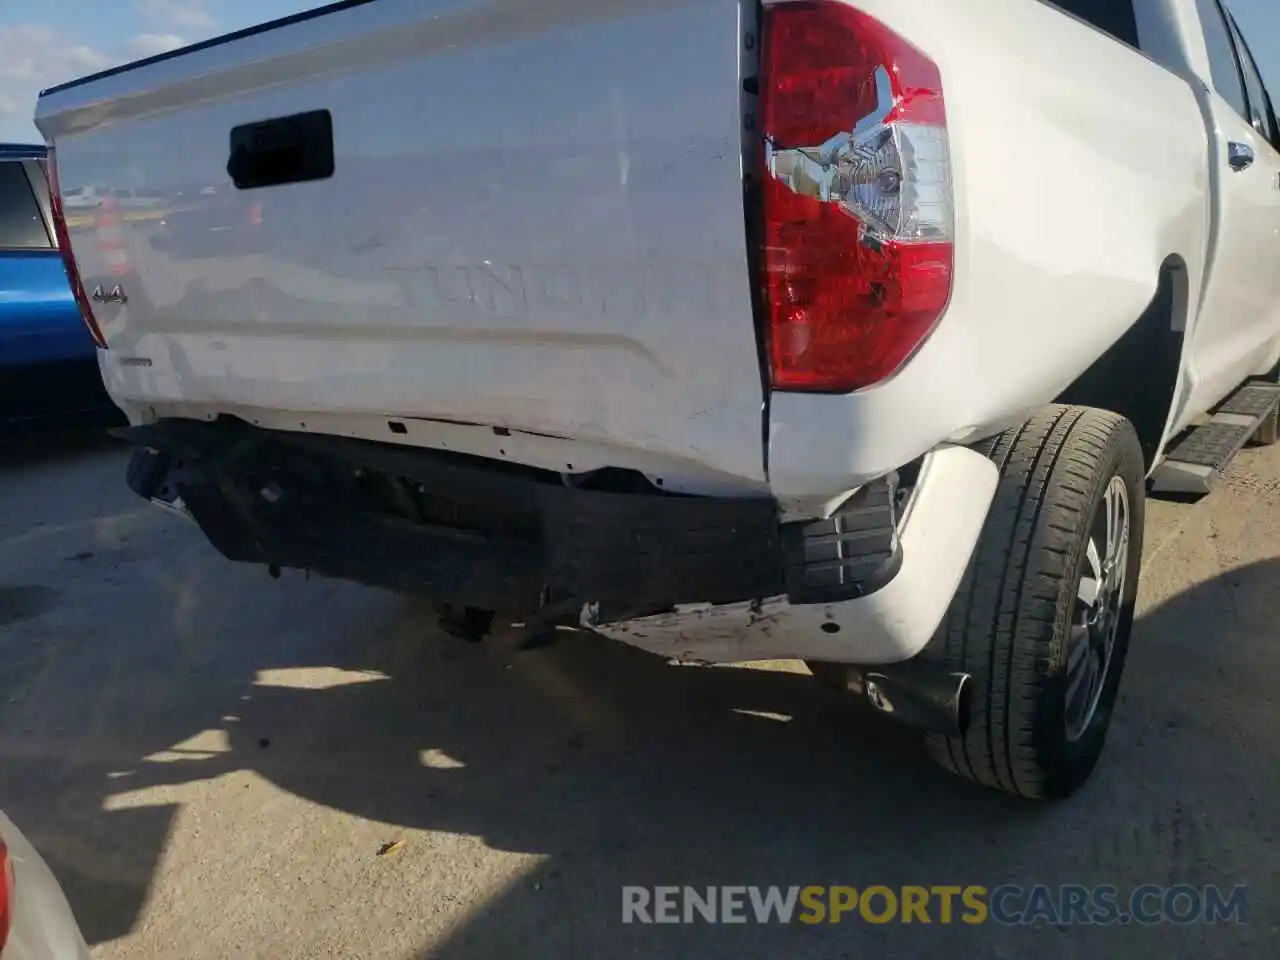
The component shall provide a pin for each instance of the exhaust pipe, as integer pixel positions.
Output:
(915, 694)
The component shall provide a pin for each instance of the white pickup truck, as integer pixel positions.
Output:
(851, 331)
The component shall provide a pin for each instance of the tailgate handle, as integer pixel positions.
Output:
(282, 150)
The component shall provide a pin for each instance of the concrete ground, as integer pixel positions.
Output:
(211, 760)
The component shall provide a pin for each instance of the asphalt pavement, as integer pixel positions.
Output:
(217, 764)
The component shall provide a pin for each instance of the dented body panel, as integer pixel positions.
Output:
(528, 226)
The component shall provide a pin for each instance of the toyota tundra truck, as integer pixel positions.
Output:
(846, 331)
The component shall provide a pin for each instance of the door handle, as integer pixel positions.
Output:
(282, 150)
(1240, 156)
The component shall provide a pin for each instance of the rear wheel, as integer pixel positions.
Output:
(1042, 618)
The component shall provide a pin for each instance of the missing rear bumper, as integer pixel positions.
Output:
(701, 578)
(458, 529)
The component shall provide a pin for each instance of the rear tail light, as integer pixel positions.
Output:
(68, 259)
(857, 199)
(6, 894)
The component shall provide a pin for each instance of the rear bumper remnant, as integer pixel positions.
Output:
(939, 530)
(698, 578)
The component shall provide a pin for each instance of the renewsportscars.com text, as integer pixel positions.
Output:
(1068, 904)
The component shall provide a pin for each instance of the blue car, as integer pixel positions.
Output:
(48, 362)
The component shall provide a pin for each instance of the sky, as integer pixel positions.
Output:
(44, 42)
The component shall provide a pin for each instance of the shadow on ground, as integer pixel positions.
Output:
(608, 765)
(24, 446)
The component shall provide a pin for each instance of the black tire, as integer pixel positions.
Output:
(1011, 621)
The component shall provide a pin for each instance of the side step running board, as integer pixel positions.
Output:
(1196, 459)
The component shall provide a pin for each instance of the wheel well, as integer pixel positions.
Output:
(1138, 375)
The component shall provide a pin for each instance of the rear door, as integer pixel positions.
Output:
(1241, 303)
(1262, 117)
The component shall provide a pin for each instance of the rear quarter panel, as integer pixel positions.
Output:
(1080, 167)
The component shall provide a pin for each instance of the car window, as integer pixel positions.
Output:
(1261, 114)
(1115, 17)
(1223, 66)
(21, 225)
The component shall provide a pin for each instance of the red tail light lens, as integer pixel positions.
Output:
(6, 894)
(68, 259)
(858, 212)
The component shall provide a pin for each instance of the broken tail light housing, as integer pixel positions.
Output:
(858, 218)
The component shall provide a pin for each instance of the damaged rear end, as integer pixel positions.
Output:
(461, 530)
(695, 578)
(543, 368)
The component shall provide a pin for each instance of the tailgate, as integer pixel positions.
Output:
(534, 220)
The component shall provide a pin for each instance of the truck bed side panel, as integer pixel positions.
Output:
(1081, 169)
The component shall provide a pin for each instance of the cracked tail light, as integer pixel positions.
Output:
(63, 238)
(858, 239)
